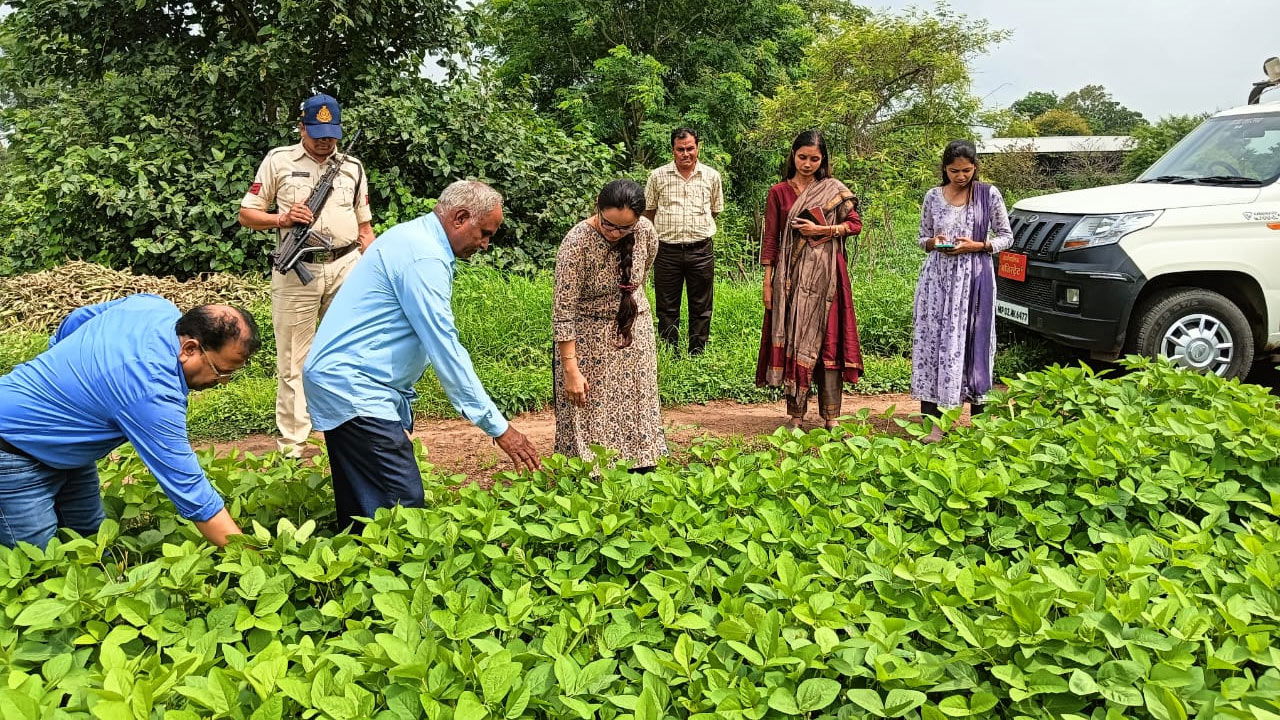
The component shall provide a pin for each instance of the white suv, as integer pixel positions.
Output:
(1182, 262)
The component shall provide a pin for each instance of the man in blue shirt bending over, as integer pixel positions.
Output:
(392, 318)
(114, 372)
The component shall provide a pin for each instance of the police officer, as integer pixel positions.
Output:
(285, 180)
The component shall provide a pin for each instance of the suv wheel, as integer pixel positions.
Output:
(1197, 329)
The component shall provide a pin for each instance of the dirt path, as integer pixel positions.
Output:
(457, 446)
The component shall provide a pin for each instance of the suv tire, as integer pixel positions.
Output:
(1197, 329)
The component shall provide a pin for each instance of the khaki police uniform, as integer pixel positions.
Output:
(288, 175)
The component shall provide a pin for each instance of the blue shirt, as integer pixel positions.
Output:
(392, 317)
(111, 374)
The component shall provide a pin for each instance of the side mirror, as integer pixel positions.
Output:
(1272, 69)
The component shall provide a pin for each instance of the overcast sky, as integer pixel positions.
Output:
(1159, 57)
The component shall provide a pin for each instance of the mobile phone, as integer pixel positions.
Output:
(946, 244)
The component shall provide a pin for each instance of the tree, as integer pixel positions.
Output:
(1035, 103)
(628, 71)
(889, 91)
(1061, 122)
(1155, 140)
(1104, 115)
(423, 136)
(134, 125)
(1007, 123)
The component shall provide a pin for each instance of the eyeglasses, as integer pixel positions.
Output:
(604, 222)
(218, 373)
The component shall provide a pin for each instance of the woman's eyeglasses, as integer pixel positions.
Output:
(604, 222)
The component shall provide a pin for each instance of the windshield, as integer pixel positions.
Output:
(1234, 150)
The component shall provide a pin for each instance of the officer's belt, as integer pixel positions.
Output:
(330, 256)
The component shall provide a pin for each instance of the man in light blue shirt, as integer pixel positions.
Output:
(114, 372)
(392, 318)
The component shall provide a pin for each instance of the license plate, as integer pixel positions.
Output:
(1013, 266)
(1017, 313)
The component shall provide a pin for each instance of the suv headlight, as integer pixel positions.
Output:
(1096, 230)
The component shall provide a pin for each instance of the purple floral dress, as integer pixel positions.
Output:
(942, 300)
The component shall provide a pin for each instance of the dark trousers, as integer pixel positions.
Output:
(931, 409)
(373, 467)
(829, 387)
(693, 264)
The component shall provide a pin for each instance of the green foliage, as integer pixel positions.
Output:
(1104, 115)
(131, 139)
(888, 91)
(1101, 113)
(884, 305)
(240, 408)
(1008, 123)
(133, 128)
(630, 72)
(884, 374)
(625, 92)
(1092, 548)
(1156, 139)
(504, 320)
(737, 243)
(1016, 172)
(19, 346)
(1058, 121)
(1090, 169)
(422, 136)
(1035, 103)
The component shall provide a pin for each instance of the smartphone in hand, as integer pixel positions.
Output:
(945, 244)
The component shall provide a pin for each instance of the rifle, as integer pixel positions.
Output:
(302, 241)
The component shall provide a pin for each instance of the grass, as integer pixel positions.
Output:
(505, 323)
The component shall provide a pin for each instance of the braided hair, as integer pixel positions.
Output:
(624, 195)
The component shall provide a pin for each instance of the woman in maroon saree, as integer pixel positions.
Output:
(810, 336)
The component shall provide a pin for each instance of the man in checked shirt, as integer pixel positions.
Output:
(683, 198)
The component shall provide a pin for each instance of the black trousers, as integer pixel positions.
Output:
(932, 409)
(675, 267)
(373, 467)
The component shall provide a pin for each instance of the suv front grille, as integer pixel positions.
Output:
(1040, 235)
(1036, 292)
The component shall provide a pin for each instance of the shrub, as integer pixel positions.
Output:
(1091, 548)
(124, 187)
(422, 136)
(1016, 172)
(504, 320)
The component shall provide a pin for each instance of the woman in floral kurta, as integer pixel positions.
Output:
(606, 360)
(954, 349)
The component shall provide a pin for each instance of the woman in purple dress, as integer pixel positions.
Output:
(962, 225)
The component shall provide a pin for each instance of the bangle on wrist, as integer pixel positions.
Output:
(568, 357)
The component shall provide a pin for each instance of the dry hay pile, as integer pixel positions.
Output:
(40, 301)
